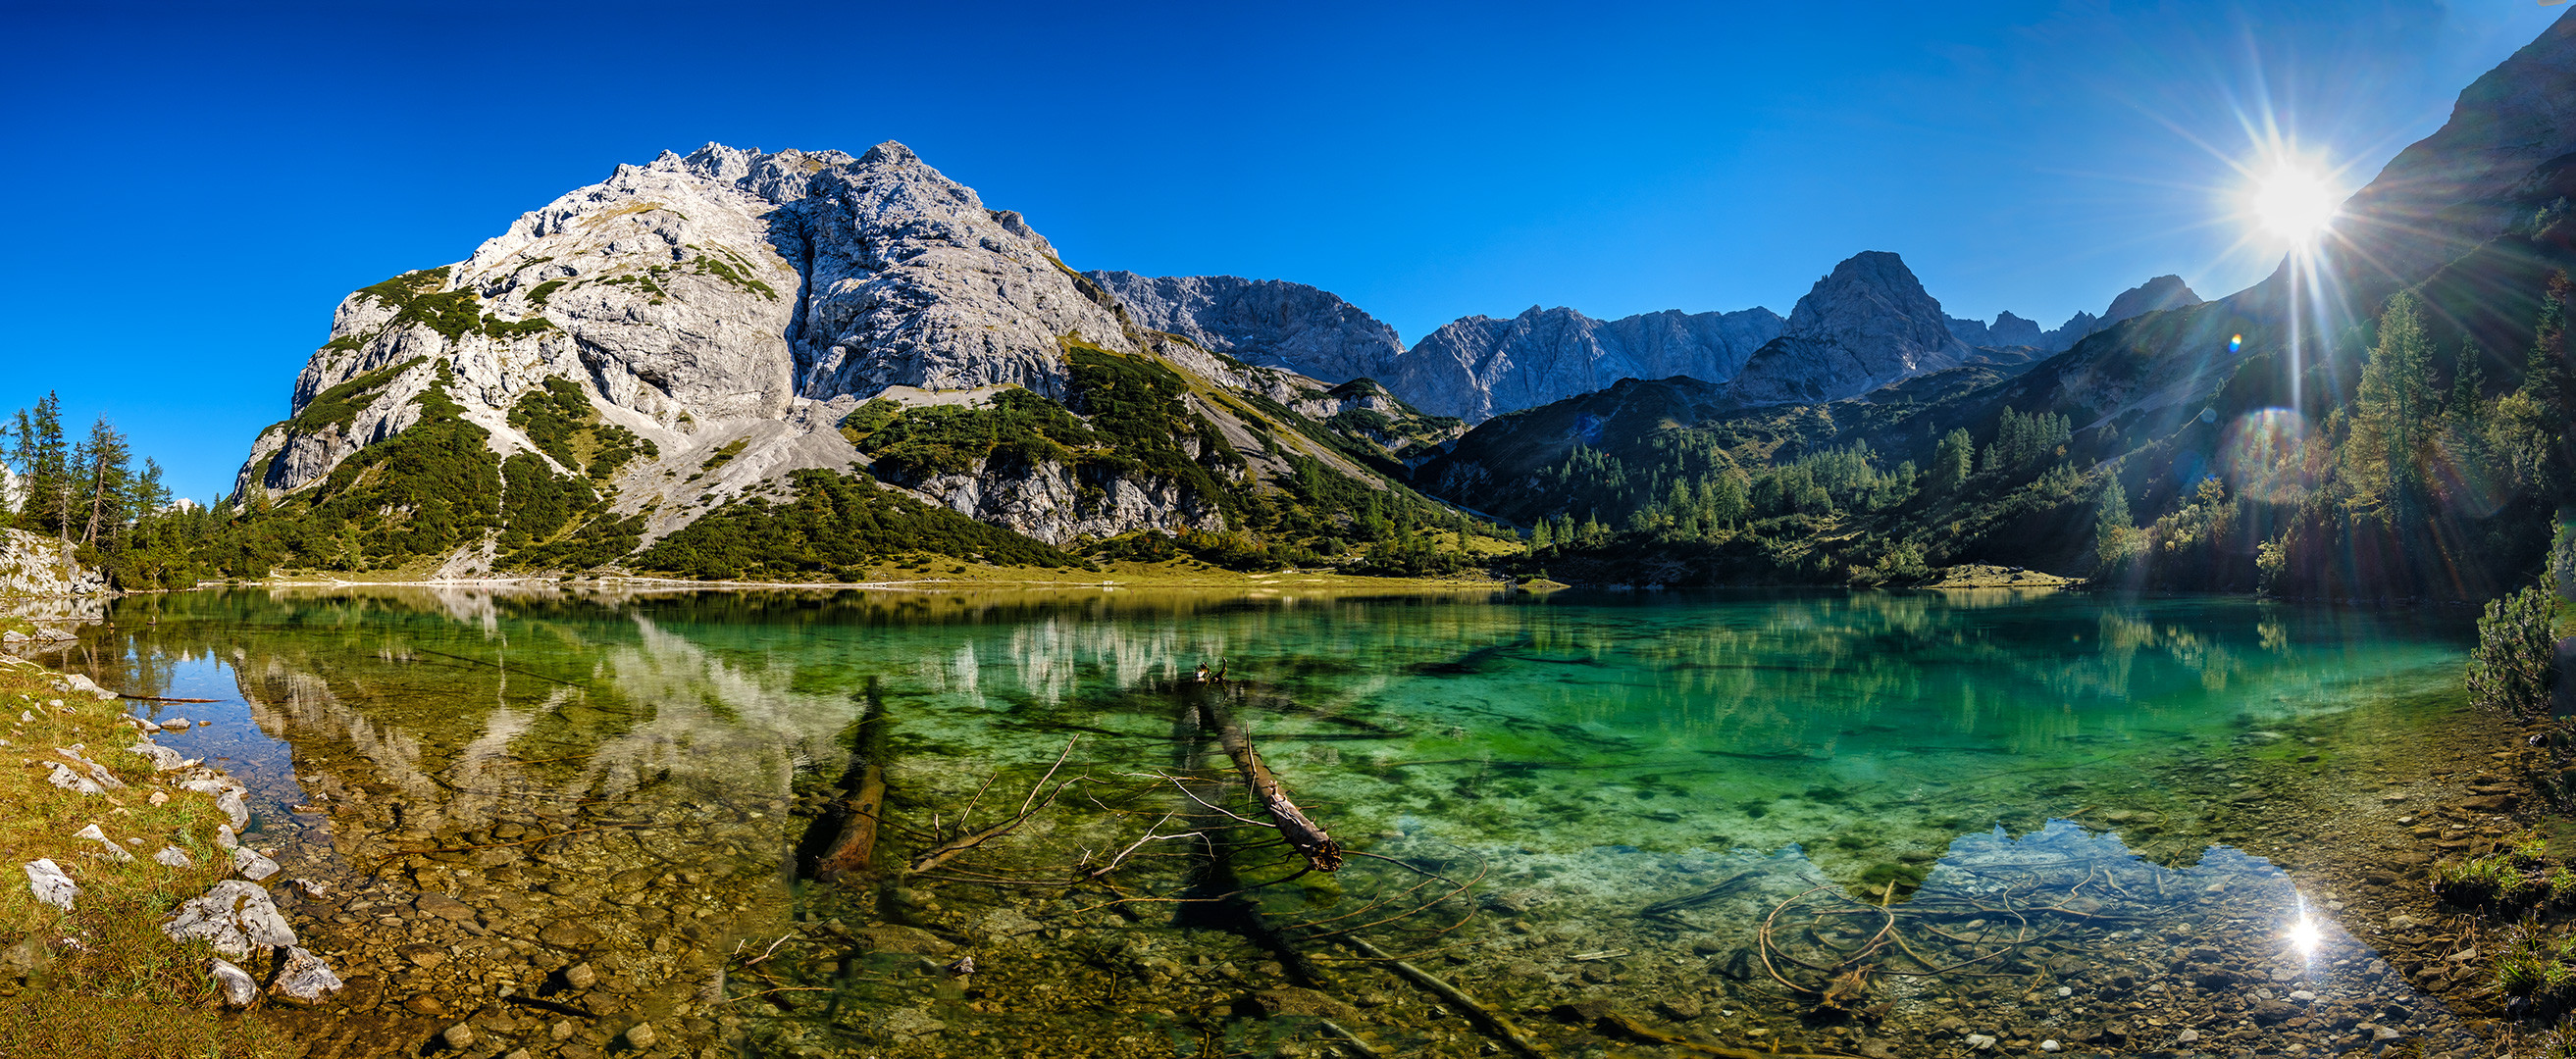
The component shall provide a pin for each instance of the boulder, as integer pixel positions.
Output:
(235, 917)
(163, 758)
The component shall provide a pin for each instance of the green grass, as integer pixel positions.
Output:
(125, 990)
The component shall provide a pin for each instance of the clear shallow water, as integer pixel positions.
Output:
(1684, 809)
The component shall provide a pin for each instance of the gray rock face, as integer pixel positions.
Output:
(2448, 192)
(742, 302)
(1272, 323)
(1046, 502)
(234, 917)
(2155, 295)
(34, 566)
(2007, 331)
(2070, 332)
(1865, 325)
(1478, 367)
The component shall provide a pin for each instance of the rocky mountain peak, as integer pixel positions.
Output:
(2160, 293)
(1267, 322)
(1866, 324)
(1476, 367)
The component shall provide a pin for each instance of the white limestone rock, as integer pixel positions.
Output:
(51, 886)
(37, 566)
(174, 857)
(252, 864)
(235, 917)
(238, 988)
(62, 775)
(304, 978)
(163, 758)
(93, 834)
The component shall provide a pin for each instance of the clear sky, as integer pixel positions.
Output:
(198, 186)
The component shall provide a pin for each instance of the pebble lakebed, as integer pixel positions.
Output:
(495, 904)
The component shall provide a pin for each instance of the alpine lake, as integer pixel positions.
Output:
(1576, 824)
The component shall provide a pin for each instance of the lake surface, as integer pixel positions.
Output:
(1830, 822)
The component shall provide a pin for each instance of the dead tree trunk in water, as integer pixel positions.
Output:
(1304, 835)
(856, 848)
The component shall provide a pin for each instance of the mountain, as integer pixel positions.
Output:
(1477, 367)
(2007, 330)
(738, 331)
(1268, 322)
(1866, 324)
(2155, 295)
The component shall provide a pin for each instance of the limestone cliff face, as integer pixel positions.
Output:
(33, 566)
(1867, 324)
(1266, 322)
(1478, 367)
(730, 306)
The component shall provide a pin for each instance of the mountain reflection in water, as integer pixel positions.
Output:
(1708, 815)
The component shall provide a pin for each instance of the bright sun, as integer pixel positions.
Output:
(2293, 203)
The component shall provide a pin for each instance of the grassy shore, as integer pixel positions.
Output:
(101, 979)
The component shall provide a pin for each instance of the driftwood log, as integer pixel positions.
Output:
(1304, 835)
(855, 850)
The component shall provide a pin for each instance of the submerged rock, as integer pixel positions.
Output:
(51, 885)
(234, 917)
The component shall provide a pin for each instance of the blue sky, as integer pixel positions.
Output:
(198, 186)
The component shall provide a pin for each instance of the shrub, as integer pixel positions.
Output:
(2513, 667)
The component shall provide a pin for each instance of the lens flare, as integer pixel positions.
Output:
(2235, 343)
(2264, 455)
(2293, 202)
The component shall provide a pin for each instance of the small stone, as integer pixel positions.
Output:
(459, 1037)
(2187, 1037)
(159, 798)
(2065, 991)
(1681, 1008)
(640, 1035)
(581, 976)
(2050, 1046)
(174, 857)
(2302, 996)
(93, 834)
(1978, 1042)
(424, 957)
(518, 1053)
(2383, 1033)
(174, 724)
(240, 990)
(444, 907)
(424, 1004)
(224, 837)
(569, 934)
(1951, 1024)
(562, 1030)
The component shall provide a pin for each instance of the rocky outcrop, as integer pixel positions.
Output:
(2155, 295)
(33, 566)
(1268, 322)
(1478, 367)
(2450, 191)
(2065, 336)
(1052, 503)
(2007, 331)
(1866, 324)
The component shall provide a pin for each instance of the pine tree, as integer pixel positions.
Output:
(1953, 462)
(1542, 539)
(2392, 409)
(2111, 521)
(106, 472)
(43, 468)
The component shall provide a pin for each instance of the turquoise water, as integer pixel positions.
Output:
(1606, 799)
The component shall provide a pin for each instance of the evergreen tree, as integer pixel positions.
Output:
(1542, 539)
(1953, 462)
(44, 470)
(105, 489)
(2112, 527)
(2387, 453)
